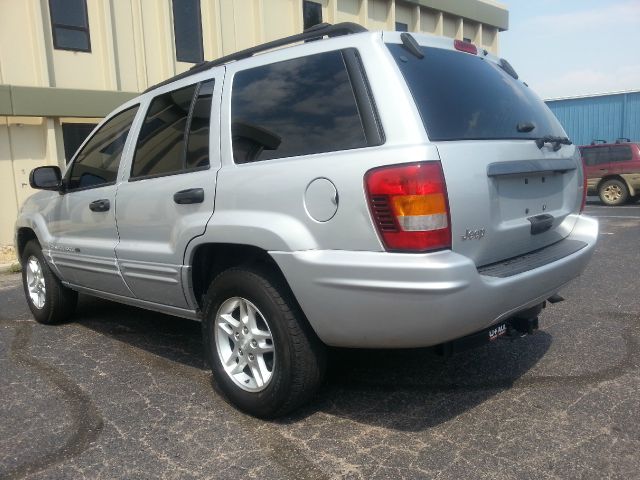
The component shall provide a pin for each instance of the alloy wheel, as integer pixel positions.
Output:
(35, 282)
(244, 344)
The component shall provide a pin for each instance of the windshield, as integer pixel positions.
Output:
(465, 97)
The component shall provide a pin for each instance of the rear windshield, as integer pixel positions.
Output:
(465, 97)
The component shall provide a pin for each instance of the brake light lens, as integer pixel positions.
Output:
(409, 206)
(465, 47)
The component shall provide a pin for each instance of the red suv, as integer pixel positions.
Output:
(613, 170)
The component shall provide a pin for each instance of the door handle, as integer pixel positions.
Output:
(100, 205)
(189, 196)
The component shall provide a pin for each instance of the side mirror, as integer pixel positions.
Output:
(46, 178)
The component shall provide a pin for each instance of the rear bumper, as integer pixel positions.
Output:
(394, 300)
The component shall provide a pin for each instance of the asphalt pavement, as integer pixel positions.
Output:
(124, 393)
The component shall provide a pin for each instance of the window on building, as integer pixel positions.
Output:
(311, 13)
(465, 39)
(70, 25)
(402, 27)
(295, 107)
(171, 140)
(187, 28)
(73, 134)
(97, 163)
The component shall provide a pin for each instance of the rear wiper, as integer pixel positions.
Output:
(557, 142)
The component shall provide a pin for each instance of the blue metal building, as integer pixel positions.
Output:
(604, 117)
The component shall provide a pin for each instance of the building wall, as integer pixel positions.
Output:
(602, 117)
(132, 47)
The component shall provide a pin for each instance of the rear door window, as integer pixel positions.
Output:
(296, 107)
(602, 155)
(197, 155)
(175, 134)
(465, 97)
(590, 156)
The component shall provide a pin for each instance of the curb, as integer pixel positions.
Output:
(9, 267)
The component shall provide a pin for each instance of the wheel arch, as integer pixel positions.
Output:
(23, 236)
(209, 259)
(615, 177)
(632, 190)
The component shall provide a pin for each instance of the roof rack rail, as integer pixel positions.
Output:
(312, 33)
(597, 140)
(623, 139)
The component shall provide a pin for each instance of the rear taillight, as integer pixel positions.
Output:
(409, 206)
(584, 188)
(463, 46)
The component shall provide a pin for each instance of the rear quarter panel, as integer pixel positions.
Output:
(262, 203)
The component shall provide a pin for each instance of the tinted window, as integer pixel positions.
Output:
(98, 161)
(602, 155)
(462, 96)
(73, 134)
(70, 25)
(296, 107)
(198, 140)
(590, 156)
(187, 27)
(171, 140)
(620, 153)
(160, 148)
(311, 13)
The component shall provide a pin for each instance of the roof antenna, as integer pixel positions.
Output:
(409, 43)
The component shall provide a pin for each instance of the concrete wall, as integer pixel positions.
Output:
(132, 40)
(132, 47)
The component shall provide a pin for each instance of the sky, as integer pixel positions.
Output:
(564, 48)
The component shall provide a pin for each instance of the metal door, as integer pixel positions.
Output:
(82, 222)
(169, 196)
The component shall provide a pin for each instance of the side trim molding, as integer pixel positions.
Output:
(135, 302)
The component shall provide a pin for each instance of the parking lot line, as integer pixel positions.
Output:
(616, 216)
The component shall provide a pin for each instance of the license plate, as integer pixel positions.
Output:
(541, 193)
(497, 331)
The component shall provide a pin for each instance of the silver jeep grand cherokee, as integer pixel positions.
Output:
(368, 189)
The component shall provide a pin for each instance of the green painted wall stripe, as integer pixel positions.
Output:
(59, 102)
(5, 100)
(472, 9)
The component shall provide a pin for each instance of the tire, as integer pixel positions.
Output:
(57, 303)
(297, 362)
(613, 192)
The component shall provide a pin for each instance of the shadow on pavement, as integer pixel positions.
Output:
(406, 390)
(412, 390)
(173, 338)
